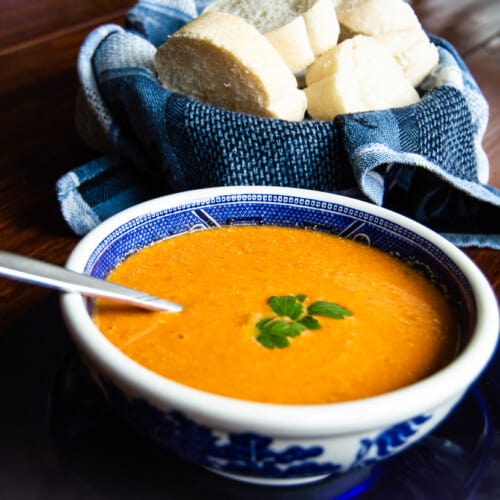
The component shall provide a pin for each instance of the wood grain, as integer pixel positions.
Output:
(26, 21)
(488, 261)
(39, 41)
(467, 24)
(33, 59)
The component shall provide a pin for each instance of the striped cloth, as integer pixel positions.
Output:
(425, 161)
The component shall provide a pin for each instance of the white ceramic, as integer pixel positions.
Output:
(281, 444)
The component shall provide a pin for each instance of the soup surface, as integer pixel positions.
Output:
(400, 328)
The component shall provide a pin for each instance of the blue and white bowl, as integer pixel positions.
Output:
(270, 443)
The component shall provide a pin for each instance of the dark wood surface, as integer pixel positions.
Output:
(39, 41)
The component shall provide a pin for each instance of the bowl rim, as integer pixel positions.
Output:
(447, 385)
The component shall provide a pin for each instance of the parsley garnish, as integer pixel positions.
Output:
(292, 317)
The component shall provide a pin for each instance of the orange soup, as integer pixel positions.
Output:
(256, 326)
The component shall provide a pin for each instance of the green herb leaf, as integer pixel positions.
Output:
(291, 319)
(328, 309)
(284, 328)
(310, 323)
(271, 341)
(274, 333)
(287, 305)
(295, 329)
(261, 324)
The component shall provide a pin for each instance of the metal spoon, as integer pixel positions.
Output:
(48, 275)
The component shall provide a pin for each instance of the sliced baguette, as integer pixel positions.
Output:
(359, 74)
(414, 52)
(222, 60)
(395, 24)
(300, 30)
(374, 17)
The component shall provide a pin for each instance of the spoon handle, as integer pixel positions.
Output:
(48, 275)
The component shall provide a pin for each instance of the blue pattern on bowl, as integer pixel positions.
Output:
(249, 454)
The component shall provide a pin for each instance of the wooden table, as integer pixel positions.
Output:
(39, 41)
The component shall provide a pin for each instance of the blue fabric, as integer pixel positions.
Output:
(425, 161)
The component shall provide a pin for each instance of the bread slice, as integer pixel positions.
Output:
(300, 30)
(395, 24)
(414, 52)
(359, 74)
(222, 60)
(374, 17)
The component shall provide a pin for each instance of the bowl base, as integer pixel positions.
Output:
(344, 482)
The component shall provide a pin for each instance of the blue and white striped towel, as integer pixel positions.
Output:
(425, 161)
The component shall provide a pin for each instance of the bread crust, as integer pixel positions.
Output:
(306, 29)
(395, 24)
(374, 17)
(357, 75)
(222, 60)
